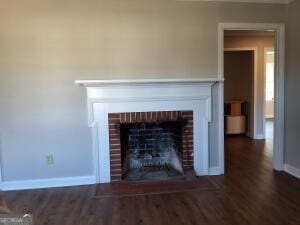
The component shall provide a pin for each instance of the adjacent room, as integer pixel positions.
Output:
(142, 112)
(249, 62)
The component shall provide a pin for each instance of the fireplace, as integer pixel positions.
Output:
(151, 151)
(150, 145)
(177, 107)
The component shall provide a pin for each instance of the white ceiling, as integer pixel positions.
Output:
(251, 1)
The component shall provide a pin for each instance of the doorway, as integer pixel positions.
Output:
(269, 65)
(277, 142)
(249, 85)
(240, 65)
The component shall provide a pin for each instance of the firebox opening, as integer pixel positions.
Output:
(151, 151)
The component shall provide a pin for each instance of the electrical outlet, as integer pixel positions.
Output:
(49, 159)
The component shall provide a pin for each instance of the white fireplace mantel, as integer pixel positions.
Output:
(103, 83)
(146, 95)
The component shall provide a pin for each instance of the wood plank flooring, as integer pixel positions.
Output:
(249, 193)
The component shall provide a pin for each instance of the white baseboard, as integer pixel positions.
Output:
(259, 137)
(292, 170)
(255, 137)
(46, 183)
(215, 171)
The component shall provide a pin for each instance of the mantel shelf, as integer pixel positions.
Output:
(99, 83)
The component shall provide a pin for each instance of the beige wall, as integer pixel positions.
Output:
(238, 85)
(259, 42)
(46, 45)
(292, 126)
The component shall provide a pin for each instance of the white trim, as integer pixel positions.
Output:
(279, 110)
(47, 183)
(292, 170)
(162, 83)
(220, 120)
(215, 171)
(139, 96)
(244, 1)
(254, 134)
(94, 127)
(255, 96)
(278, 156)
(106, 83)
(259, 136)
(240, 49)
(199, 108)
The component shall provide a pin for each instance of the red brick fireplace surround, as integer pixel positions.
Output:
(116, 119)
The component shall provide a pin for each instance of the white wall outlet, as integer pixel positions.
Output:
(49, 159)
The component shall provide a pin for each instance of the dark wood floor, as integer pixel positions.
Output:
(249, 193)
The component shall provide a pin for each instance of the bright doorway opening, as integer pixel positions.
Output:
(269, 96)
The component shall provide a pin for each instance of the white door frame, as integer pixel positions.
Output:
(278, 141)
(255, 50)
